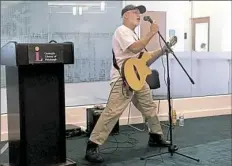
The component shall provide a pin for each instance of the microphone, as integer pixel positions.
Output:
(173, 40)
(148, 18)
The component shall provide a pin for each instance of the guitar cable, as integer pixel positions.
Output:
(131, 141)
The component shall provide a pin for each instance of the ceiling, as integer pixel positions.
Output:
(68, 6)
(5, 4)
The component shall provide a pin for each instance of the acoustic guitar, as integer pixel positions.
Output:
(136, 70)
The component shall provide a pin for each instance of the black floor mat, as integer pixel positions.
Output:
(133, 144)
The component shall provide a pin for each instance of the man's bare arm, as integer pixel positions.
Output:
(155, 55)
(139, 45)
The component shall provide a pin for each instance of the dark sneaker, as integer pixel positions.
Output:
(92, 153)
(157, 140)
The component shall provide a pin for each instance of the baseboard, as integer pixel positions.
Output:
(206, 107)
(163, 117)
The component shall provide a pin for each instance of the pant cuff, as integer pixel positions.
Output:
(95, 141)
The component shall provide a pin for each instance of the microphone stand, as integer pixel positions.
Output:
(171, 148)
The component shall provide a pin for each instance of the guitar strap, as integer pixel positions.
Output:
(115, 62)
(117, 67)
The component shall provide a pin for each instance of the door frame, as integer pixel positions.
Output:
(195, 21)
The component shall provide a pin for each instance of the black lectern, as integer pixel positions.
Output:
(36, 102)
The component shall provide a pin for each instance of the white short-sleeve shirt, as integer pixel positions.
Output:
(123, 37)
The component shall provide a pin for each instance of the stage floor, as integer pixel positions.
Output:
(208, 139)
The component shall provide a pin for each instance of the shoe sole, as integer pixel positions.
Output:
(93, 161)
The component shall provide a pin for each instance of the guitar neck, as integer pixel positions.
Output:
(154, 56)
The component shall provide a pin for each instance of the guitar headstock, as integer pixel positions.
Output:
(172, 41)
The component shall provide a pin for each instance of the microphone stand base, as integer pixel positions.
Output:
(171, 149)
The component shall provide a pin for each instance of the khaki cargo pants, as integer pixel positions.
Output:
(118, 100)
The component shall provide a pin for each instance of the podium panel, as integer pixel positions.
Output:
(36, 102)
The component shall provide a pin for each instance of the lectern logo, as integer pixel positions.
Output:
(37, 56)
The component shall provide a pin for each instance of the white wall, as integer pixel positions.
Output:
(179, 14)
(220, 22)
(204, 68)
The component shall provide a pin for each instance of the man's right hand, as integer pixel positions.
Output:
(139, 45)
(154, 28)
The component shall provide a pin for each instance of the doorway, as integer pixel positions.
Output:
(160, 18)
(200, 34)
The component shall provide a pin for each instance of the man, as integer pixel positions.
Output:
(125, 45)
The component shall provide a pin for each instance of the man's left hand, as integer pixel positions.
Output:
(171, 43)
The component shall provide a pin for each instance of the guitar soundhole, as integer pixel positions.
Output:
(136, 71)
